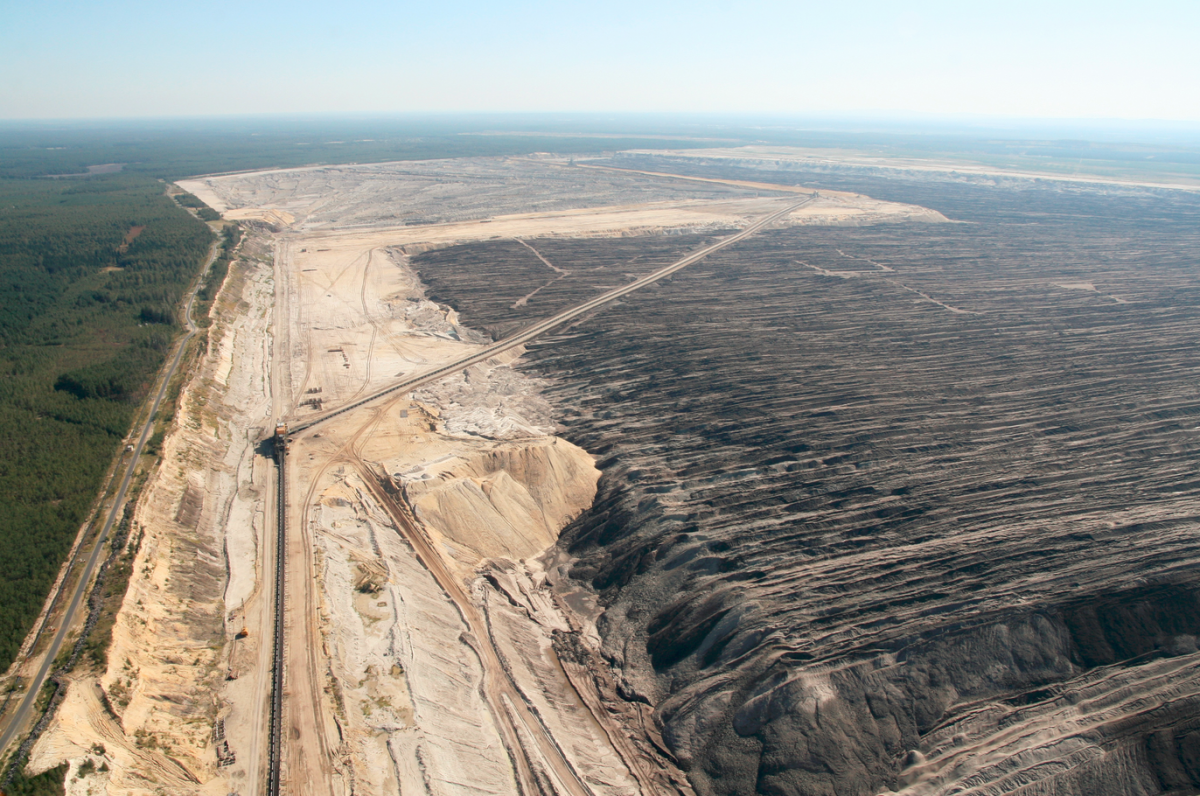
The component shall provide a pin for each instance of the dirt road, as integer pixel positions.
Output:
(541, 327)
(23, 712)
(309, 757)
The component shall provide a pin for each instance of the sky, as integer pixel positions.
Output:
(1047, 59)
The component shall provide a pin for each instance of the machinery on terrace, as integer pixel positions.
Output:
(281, 433)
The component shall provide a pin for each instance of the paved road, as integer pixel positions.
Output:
(21, 717)
(542, 327)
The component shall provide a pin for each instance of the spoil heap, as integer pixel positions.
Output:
(897, 505)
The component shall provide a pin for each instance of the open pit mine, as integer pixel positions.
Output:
(672, 474)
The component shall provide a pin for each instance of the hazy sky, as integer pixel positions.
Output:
(103, 58)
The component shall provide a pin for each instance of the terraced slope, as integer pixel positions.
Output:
(897, 505)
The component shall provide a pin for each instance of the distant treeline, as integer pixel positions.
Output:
(174, 149)
(171, 152)
(92, 271)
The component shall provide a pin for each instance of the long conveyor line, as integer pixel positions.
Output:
(543, 326)
(282, 432)
(274, 742)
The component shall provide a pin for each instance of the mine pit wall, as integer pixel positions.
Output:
(446, 674)
(155, 708)
(846, 540)
(403, 699)
(806, 615)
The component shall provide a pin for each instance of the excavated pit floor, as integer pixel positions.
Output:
(905, 507)
(866, 501)
(435, 643)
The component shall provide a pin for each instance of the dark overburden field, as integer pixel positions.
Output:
(840, 520)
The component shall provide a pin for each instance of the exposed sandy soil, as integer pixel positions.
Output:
(782, 157)
(437, 203)
(432, 684)
(202, 516)
(434, 643)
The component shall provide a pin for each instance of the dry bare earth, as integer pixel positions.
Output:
(202, 514)
(433, 192)
(783, 159)
(397, 506)
(435, 643)
(433, 653)
(906, 507)
(433, 203)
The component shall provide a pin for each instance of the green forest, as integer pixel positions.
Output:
(172, 150)
(92, 272)
(48, 783)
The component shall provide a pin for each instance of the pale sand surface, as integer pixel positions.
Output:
(443, 202)
(427, 605)
(775, 156)
(196, 581)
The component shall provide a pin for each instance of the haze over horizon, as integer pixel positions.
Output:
(130, 58)
(629, 399)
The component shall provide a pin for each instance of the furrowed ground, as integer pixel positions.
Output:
(891, 488)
